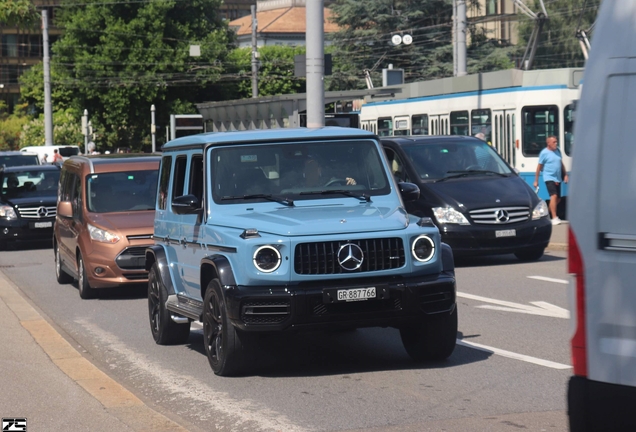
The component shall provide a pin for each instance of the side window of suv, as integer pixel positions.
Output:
(164, 182)
(196, 177)
(178, 179)
(396, 165)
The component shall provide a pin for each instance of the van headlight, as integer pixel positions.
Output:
(7, 212)
(540, 210)
(267, 259)
(448, 215)
(423, 248)
(101, 235)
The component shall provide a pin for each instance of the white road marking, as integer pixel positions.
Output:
(547, 279)
(540, 308)
(512, 355)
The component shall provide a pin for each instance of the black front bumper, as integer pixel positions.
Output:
(598, 406)
(306, 306)
(25, 229)
(482, 239)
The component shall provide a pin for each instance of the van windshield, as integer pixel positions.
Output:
(121, 191)
(68, 151)
(451, 159)
(298, 171)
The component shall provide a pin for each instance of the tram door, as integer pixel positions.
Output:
(504, 133)
(439, 124)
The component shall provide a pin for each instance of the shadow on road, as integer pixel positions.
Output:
(499, 260)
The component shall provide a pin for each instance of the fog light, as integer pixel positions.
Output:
(99, 270)
(5, 231)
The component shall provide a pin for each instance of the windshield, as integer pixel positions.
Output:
(68, 151)
(284, 172)
(30, 184)
(18, 160)
(446, 159)
(122, 191)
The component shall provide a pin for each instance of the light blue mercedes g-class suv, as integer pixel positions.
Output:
(292, 230)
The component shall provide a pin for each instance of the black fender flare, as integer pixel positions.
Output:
(157, 254)
(448, 261)
(216, 266)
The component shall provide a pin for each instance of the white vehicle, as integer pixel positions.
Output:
(515, 110)
(602, 236)
(66, 151)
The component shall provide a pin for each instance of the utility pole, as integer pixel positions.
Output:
(153, 127)
(48, 112)
(254, 54)
(460, 37)
(315, 63)
(85, 130)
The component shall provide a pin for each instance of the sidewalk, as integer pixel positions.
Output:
(46, 381)
(559, 237)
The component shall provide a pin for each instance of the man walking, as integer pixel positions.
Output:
(553, 174)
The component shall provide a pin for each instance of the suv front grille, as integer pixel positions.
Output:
(133, 258)
(322, 257)
(500, 215)
(265, 311)
(40, 212)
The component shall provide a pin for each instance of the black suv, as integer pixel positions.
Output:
(28, 202)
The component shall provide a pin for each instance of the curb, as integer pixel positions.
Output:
(557, 246)
(116, 399)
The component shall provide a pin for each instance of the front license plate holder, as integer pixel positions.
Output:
(351, 294)
(38, 225)
(506, 233)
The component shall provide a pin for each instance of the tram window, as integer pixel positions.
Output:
(401, 126)
(385, 126)
(459, 123)
(568, 129)
(481, 122)
(420, 124)
(539, 122)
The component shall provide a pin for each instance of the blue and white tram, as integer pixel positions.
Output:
(515, 110)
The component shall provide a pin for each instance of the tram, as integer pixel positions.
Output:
(514, 110)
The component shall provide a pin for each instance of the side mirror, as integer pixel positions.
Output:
(186, 204)
(65, 209)
(409, 191)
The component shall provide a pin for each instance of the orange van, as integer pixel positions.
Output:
(104, 222)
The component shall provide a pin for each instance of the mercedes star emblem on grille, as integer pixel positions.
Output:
(502, 216)
(350, 256)
(43, 212)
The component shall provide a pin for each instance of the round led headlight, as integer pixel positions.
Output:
(267, 259)
(423, 248)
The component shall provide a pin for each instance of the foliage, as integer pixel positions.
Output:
(21, 13)
(66, 130)
(558, 46)
(116, 59)
(275, 72)
(11, 127)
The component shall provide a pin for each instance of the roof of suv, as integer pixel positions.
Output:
(19, 168)
(264, 135)
(429, 139)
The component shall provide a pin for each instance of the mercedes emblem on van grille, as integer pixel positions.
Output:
(43, 212)
(502, 216)
(350, 256)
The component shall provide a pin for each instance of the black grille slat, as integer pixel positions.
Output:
(321, 257)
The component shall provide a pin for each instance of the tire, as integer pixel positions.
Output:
(431, 340)
(225, 346)
(530, 254)
(61, 276)
(164, 330)
(85, 290)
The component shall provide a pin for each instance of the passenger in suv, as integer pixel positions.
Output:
(105, 220)
(246, 246)
(27, 202)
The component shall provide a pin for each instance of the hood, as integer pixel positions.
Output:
(49, 201)
(305, 219)
(127, 223)
(483, 192)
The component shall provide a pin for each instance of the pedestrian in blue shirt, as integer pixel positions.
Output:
(553, 174)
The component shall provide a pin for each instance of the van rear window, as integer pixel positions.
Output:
(68, 151)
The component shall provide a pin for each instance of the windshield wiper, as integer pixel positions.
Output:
(268, 197)
(363, 197)
(466, 173)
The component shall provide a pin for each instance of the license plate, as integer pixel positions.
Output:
(356, 294)
(505, 233)
(43, 224)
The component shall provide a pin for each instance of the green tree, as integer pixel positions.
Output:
(115, 59)
(21, 13)
(66, 130)
(275, 73)
(11, 126)
(558, 46)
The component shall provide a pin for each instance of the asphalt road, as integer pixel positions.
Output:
(508, 372)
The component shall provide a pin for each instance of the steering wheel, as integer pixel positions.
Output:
(473, 167)
(336, 182)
